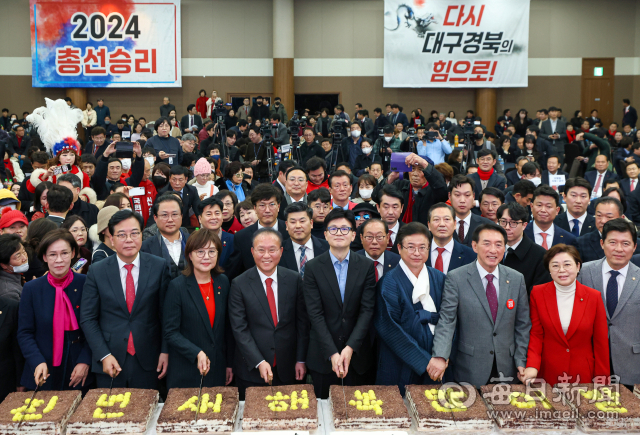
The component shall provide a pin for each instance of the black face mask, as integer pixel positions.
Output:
(259, 103)
(158, 181)
(479, 136)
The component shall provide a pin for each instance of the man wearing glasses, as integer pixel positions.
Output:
(374, 234)
(320, 202)
(189, 194)
(121, 310)
(339, 291)
(522, 253)
(170, 241)
(295, 188)
(310, 147)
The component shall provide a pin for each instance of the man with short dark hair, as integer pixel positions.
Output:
(446, 253)
(340, 187)
(259, 110)
(166, 107)
(18, 143)
(189, 194)
(317, 171)
(543, 232)
(295, 188)
(374, 236)
(461, 195)
(555, 131)
(279, 130)
(309, 148)
(243, 111)
(102, 111)
(191, 122)
(320, 202)
(553, 168)
(630, 115)
(576, 220)
(301, 246)
(599, 175)
(256, 155)
(490, 200)
(87, 211)
(521, 193)
(514, 176)
(487, 176)
(630, 183)
(60, 200)
(210, 218)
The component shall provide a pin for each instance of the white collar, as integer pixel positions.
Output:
(264, 277)
(410, 274)
(395, 228)
(178, 240)
(379, 260)
(466, 220)
(581, 218)
(274, 227)
(308, 245)
(606, 268)
(537, 230)
(448, 247)
(135, 262)
(483, 272)
(516, 244)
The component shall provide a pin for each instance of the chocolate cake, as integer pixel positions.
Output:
(218, 410)
(603, 407)
(517, 408)
(287, 407)
(47, 414)
(126, 411)
(448, 409)
(369, 407)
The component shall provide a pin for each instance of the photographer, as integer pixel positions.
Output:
(433, 146)
(340, 120)
(279, 131)
(387, 144)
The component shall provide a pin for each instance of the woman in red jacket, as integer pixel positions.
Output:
(569, 337)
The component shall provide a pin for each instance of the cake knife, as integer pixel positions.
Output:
(344, 396)
(29, 404)
(199, 397)
(110, 387)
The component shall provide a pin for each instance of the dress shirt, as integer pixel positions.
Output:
(394, 232)
(446, 255)
(483, 275)
(190, 120)
(580, 219)
(553, 124)
(274, 285)
(346, 207)
(436, 150)
(274, 227)
(174, 248)
(536, 234)
(380, 260)
(341, 268)
(598, 193)
(606, 275)
(467, 224)
(308, 251)
(135, 272)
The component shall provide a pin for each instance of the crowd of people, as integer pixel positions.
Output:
(251, 249)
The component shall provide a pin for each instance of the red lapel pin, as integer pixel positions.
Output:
(511, 304)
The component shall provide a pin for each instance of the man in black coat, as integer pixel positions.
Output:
(190, 120)
(461, 195)
(259, 110)
(11, 359)
(339, 291)
(486, 160)
(121, 314)
(87, 211)
(553, 165)
(19, 143)
(301, 247)
(630, 116)
(309, 148)
(166, 107)
(190, 199)
(268, 319)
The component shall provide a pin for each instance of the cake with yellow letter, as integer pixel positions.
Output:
(369, 407)
(449, 408)
(536, 407)
(217, 413)
(47, 414)
(286, 407)
(125, 411)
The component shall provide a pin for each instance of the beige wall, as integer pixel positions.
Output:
(348, 29)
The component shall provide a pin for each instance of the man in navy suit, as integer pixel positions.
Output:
(486, 161)
(576, 220)
(545, 207)
(630, 116)
(445, 253)
(121, 313)
(461, 195)
(514, 176)
(398, 117)
(301, 246)
(210, 218)
(631, 182)
(601, 174)
(374, 235)
(191, 120)
(178, 178)
(553, 165)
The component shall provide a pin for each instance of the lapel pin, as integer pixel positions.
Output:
(507, 281)
(634, 278)
(77, 306)
(218, 292)
(75, 289)
(0, 312)
(459, 257)
(581, 299)
(510, 303)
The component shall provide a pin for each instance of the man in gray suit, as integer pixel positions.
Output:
(555, 131)
(619, 282)
(488, 303)
(281, 134)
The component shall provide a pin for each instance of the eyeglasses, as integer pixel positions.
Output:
(20, 254)
(411, 249)
(512, 224)
(365, 217)
(64, 255)
(298, 180)
(212, 253)
(263, 206)
(343, 230)
(135, 235)
(78, 230)
(239, 174)
(379, 238)
(319, 208)
(166, 216)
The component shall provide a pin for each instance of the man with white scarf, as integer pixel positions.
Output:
(408, 302)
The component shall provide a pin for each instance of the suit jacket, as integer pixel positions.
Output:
(391, 260)
(562, 221)
(592, 177)
(86, 210)
(336, 324)
(403, 327)
(625, 184)
(11, 359)
(21, 149)
(197, 120)
(545, 178)
(367, 127)
(583, 352)
(106, 321)
(227, 248)
(624, 334)
(561, 128)
(512, 177)
(288, 259)
(400, 117)
(460, 256)
(465, 309)
(190, 201)
(527, 259)
(187, 330)
(496, 180)
(156, 246)
(559, 235)
(256, 336)
(633, 206)
(589, 247)
(473, 224)
(34, 333)
(630, 117)
(241, 258)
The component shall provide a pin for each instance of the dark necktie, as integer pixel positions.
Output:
(375, 263)
(390, 244)
(576, 228)
(612, 292)
(461, 231)
(492, 297)
(509, 252)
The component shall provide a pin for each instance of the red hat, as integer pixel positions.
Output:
(10, 217)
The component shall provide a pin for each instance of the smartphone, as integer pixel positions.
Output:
(124, 150)
(63, 169)
(79, 264)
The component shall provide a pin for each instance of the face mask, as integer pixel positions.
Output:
(22, 268)
(277, 103)
(216, 157)
(259, 103)
(159, 181)
(479, 136)
(151, 160)
(367, 150)
(191, 168)
(107, 122)
(124, 119)
(388, 138)
(13, 119)
(356, 133)
(365, 193)
(126, 164)
(536, 181)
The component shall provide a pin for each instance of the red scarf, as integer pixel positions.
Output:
(408, 213)
(484, 176)
(571, 136)
(9, 167)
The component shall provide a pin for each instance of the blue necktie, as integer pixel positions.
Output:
(612, 293)
(576, 228)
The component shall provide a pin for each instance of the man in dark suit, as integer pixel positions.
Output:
(210, 218)
(266, 201)
(121, 313)
(374, 236)
(555, 131)
(446, 253)
(301, 247)
(339, 291)
(630, 183)
(190, 199)
(87, 211)
(367, 124)
(516, 175)
(553, 165)
(487, 175)
(521, 253)
(542, 231)
(461, 195)
(18, 143)
(191, 120)
(601, 174)
(268, 318)
(398, 117)
(576, 220)
(170, 241)
(630, 116)
(295, 188)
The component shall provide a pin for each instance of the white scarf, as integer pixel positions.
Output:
(420, 289)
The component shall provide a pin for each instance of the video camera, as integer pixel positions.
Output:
(219, 112)
(468, 126)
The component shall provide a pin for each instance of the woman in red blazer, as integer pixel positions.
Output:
(569, 335)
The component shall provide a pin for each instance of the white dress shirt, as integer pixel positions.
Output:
(394, 232)
(174, 248)
(274, 285)
(446, 255)
(514, 246)
(536, 234)
(467, 225)
(308, 251)
(580, 219)
(606, 275)
(380, 265)
(598, 193)
(496, 278)
(274, 227)
(135, 272)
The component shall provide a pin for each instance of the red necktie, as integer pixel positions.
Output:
(390, 244)
(272, 306)
(439, 264)
(461, 231)
(633, 182)
(375, 263)
(597, 186)
(544, 241)
(131, 296)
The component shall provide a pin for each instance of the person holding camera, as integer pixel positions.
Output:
(387, 144)
(433, 146)
(279, 131)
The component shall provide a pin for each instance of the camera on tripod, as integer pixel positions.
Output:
(267, 133)
(219, 112)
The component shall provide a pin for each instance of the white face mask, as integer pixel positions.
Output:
(367, 150)
(22, 268)
(388, 138)
(365, 193)
(536, 181)
(151, 160)
(355, 133)
(126, 164)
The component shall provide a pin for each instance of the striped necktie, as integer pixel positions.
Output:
(303, 259)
